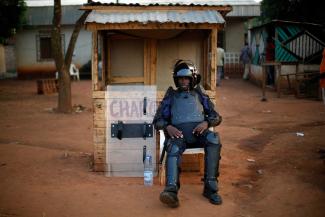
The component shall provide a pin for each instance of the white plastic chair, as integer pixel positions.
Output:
(74, 72)
(196, 151)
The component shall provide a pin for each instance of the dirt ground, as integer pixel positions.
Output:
(266, 168)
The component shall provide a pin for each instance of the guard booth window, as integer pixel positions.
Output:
(127, 57)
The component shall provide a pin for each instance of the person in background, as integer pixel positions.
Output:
(269, 57)
(245, 58)
(220, 63)
(322, 76)
(185, 115)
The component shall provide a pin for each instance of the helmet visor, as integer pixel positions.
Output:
(184, 73)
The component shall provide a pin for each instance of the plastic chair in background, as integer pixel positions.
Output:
(74, 72)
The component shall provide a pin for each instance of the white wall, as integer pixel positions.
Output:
(234, 35)
(26, 50)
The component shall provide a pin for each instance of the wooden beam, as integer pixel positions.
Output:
(98, 94)
(150, 61)
(118, 36)
(105, 60)
(146, 62)
(153, 61)
(102, 52)
(122, 80)
(136, 25)
(109, 60)
(205, 54)
(94, 62)
(213, 65)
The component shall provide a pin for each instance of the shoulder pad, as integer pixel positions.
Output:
(200, 89)
(170, 91)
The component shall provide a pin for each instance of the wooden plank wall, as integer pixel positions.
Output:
(99, 130)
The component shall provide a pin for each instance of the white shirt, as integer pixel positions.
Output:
(220, 56)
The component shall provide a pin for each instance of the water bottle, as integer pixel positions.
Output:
(148, 171)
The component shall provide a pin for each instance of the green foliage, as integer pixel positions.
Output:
(293, 10)
(12, 16)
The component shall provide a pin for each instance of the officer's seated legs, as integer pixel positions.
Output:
(212, 157)
(174, 151)
(211, 143)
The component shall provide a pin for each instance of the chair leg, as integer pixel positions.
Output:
(162, 172)
(201, 163)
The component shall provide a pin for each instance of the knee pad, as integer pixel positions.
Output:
(212, 138)
(213, 143)
(175, 147)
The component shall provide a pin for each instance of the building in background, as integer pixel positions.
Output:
(34, 56)
(296, 46)
(33, 50)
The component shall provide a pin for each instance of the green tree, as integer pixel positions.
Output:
(62, 62)
(12, 16)
(293, 10)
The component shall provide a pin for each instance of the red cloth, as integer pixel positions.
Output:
(322, 70)
(270, 52)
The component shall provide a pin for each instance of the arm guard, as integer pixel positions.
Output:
(162, 116)
(211, 116)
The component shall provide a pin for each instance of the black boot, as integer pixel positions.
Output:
(211, 169)
(169, 195)
(211, 193)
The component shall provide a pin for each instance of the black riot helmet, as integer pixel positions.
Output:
(186, 68)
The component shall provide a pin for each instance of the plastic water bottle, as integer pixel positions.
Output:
(148, 173)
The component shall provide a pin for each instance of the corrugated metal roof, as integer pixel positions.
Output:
(43, 15)
(209, 16)
(147, 2)
(71, 13)
(245, 11)
(175, 3)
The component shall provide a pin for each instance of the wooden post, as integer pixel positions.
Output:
(150, 61)
(205, 63)
(263, 82)
(153, 60)
(108, 64)
(296, 81)
(213, 65)
(103, 59)
(278, 86)
(146, 62)
(94, 62)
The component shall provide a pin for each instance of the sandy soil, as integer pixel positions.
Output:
(266, 169)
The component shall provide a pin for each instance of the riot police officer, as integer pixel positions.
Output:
(185, 114)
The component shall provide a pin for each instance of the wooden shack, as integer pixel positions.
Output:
(297, 51)
(138, 44)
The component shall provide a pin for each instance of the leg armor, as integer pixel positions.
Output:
(212, 150)
(174, 151)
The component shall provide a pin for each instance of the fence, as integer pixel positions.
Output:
(232, 67)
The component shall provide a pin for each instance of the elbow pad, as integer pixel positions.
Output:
(216, 121)
(160, 124)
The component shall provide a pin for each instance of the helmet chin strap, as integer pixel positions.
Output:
(184, 87)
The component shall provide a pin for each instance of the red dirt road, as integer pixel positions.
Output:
(266, 169)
